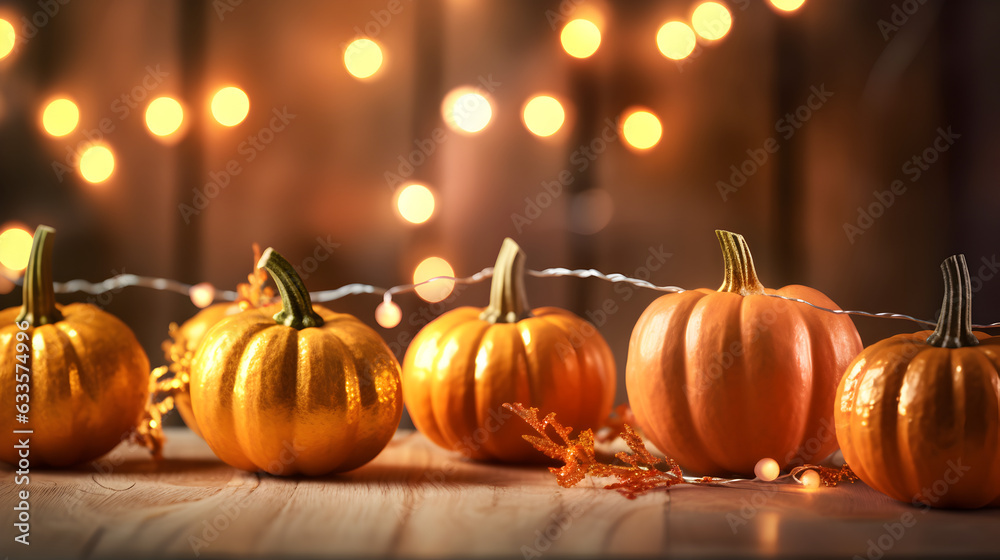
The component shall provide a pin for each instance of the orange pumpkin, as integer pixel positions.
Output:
(918, 415)
(295, 388)
(77, 372)
(462, 367)
(719, 379)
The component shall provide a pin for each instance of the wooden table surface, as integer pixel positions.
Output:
(416, 500)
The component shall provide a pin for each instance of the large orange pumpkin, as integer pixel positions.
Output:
(918, 415)
(462, 367)
(295, 388)
(78, 372)
(719, 379)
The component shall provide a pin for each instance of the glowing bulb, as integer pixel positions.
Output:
(415, 203)
(767, 469)
(15, 248)
(466, 110)
(810, 479)
(543, 115)
(580, 38)
(7, 38)
(711, 20)
(230, 105)
(164, 116)
(97, 163)
(388, 314)
(437, 290)
(787, 5)
(675, 40)
(60, 117)
(642, 130)
(202, 295)
(362, 58)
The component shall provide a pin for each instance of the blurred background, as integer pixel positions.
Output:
(853, 143)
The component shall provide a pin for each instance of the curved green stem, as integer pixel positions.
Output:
(296, 307)
(741, 277)
(954, 327)
(508, 298)
(39, 307)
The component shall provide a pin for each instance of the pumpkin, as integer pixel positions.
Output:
(87, 382)
(918, 415)
(719, 379)
(294, 388)
(462, 367)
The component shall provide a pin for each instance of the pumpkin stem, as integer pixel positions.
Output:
(296, 307)
(954, 327)
(39, 307)
(741, 277)
(508, 298)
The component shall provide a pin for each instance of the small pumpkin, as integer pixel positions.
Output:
(294, 388)
(918, 415)
(87, 383)
(719, 379)
(462, 367)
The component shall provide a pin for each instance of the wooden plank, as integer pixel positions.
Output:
(416, 500)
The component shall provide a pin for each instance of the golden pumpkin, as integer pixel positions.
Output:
(87, 382)
(295, 388)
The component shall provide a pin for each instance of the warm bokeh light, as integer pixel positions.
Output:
(415, 203)
(642, 130)
(787, 5)
(676, 40)
(202, 295)
(230, 105)
(466, 110)
(15, 248)
(97, 163)
(388, 314)
(164, 116)
(767, 469)
(580, 38)
(363, 58)
(543, 115)
(711, 20)
(7, 38)
(810, 479)
(437, 290)
(60, 117)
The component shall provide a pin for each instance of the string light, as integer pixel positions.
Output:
(97, 163)
(415, 203)
(711, 21)
(15, 248)
(60, 117)
(202, 295)
(787, 5)
(676, 40)
(543, 115)
(7, 38)
(388, 314)
(767, 469)
(809, 478)
(642, 129)
(164, 116)
(580, 38)
(230, 105)
(363, 58)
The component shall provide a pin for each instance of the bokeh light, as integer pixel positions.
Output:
(97, 163)
(642, 129)
(15, 248)
(711, 20)
(7, 38)
(676, 40)
(363, 58)
(388, 314)
(164, 116)
(787, 5)
(415, 203)
(466, 110)
(767, 469)
(202, 295)
(230, 105)
(580, 38)
(60, 117)
(543, 115)
(437, 290)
